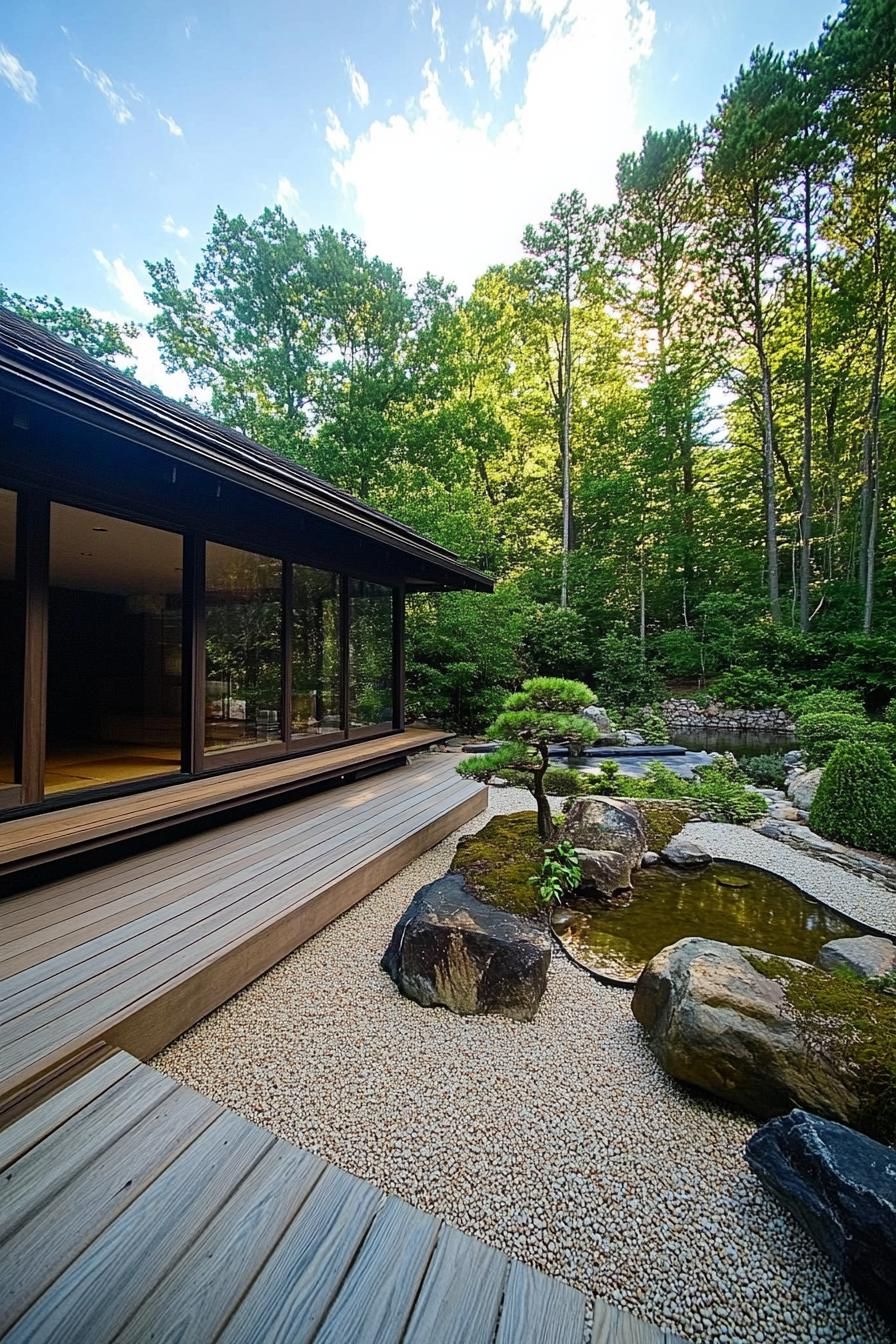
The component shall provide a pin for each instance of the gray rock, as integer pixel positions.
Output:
(842, 1187)
(649, 858)
(451, 949)
(780, 812)
(600, 718)
(768, 828)
(605, 823)
(629, 738)
(685, 853)
(792, 757)
(802, 787)
(867, 956)
(714, 1021)
(604, 871)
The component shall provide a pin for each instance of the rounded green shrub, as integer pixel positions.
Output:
(829, 701)
(766, 771)
(856, 799)
(750, 688)
(819, 734)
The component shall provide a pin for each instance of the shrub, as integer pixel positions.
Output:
(890, 713)
(856, 799)
(750, 688)
(828, 701)
(650, 723)
(767, 771)
(819, 734)
(560, 780)
(726, 798)
(554, 643)
(679, 653)
(623, 678)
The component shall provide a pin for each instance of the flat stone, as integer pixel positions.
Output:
(685, 853)
(451, 949)
(867, 957)
(842, 1187)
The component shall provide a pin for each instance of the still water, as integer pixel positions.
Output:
(738, 743)
(729, 902)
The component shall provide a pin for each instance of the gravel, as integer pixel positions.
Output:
(560, 1141)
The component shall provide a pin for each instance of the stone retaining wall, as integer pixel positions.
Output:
(688, 714)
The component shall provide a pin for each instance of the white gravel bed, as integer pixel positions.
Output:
(560, 1141)
(867, 901)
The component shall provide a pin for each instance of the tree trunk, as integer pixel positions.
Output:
(871, 485)
(806, 505)
(566, 413)
(771, 509)
(545, 819)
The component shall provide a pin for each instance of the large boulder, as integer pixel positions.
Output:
(604, 872)
(605, 823)
(451, 949)
(867, 957)
(802, 788)
(715, 1021)
(842, 1187)
(599, 718)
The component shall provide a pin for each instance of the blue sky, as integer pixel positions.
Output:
(437, 131)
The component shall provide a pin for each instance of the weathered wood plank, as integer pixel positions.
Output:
(60, 1228)
(28, 1130)
(540, 1310)
(93, 1299)
(460, 1297)
(196, 1299)
(287, 1301)
(377, 1297)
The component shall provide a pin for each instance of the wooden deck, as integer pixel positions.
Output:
(134, 952)
(135, 1209)
(41, 836)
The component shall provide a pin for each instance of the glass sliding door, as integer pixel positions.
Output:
(370, 689)
(11, 661)
(243, 649)
(316, 661)
(115, 651)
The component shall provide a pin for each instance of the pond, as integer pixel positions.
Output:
(739, 743)
(729, 902)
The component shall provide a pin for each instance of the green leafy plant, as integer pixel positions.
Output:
(750, 688)
(547, 710)
(623, 678)
(767, 771)
(819, 734)
(855, 803)
(650, 723)
(560, 874)
(827, 701)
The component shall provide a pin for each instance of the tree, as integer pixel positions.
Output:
(98, 337)
(547, 710)
(562, 252)
(748, 242)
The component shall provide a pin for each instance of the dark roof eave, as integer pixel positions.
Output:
(47, 370)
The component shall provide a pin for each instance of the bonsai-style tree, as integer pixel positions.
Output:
(547, 710)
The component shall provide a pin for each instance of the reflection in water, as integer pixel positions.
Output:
(729, 902)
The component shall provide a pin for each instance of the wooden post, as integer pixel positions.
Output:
(34, 557)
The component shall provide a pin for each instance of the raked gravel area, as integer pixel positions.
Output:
(559, 1141)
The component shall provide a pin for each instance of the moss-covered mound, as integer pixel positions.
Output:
(843, 1019)
(499, 860)
(663, 819)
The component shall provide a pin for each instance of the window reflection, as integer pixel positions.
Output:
(370, 655)
(10, 663)
(243, 635)
(316, 709)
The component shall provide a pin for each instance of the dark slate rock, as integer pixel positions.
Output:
(453, 950)
(842, 1187)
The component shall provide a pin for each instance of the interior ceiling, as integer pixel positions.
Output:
(109, 555)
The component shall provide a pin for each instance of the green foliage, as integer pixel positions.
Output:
(713, 789)
(819, 734)
(98, 337)
(856, 798)
(555, 642)
(545, 711)
(650, 723)
(501, 863)
(623, 678)
(678, 653)
(750, 688)
(560, 874)
(766, 771)
(560, 781)
(827, 701)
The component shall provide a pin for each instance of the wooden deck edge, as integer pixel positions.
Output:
(184, 1001)
(52, 1076)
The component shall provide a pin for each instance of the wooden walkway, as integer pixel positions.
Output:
(134, 1209)
(62, 833)
(135, 952)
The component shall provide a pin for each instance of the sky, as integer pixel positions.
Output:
(436, 131)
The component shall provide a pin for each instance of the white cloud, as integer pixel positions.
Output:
(467, 76)
(22, 81)
(106, 86)
(126, 284)
(438, 29)
(360, 91)
(172, 125)
(179, 230)
(496, 54)
(335, 135)
(287, 197)
(476, 186)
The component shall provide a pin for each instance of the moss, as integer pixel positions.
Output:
(499, 860)
(845, 1020)
(663, 819)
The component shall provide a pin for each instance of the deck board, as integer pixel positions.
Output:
(138, 952)
(36, 837)
(195, 1224)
